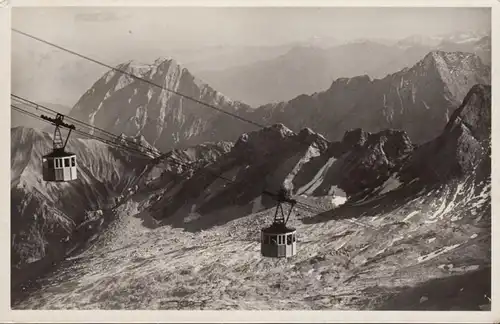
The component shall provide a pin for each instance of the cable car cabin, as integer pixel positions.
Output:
(59, 166)
(278, 241)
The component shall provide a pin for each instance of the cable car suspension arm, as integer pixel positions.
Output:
(59, 122)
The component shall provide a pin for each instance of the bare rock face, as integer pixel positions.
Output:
(370, 162)
(361, 166)
(465, 141)
(304, 163)
(49, 220)
(46, 217)
(122, 104)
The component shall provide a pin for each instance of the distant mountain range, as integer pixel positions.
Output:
(307, 69)
(426, 93)
(62, 78)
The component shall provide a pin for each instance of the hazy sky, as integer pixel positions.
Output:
(114, 35)
(256, 26)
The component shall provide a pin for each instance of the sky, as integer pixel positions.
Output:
(115, 35)
(237, 26)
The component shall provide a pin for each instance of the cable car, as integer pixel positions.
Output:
(279, 240)
(59, 165)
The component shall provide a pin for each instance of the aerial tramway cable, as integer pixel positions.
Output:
(118, 145)
(341, 119)
(139, 78)
(164, 88)
(94, 129)
(301, 205)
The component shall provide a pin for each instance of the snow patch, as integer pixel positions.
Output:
(123, 81)
(434, 254)
(310, 187)
(410, 215)
(109, 76)
(339, 196)
(451, 268)
(390, 184)
(92, 116)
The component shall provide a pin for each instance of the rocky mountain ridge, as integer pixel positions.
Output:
(426, 92)
(360, 165)
(122, 104)
(392, 225)
(309, 69)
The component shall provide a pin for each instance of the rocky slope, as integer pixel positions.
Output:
(401, 227)
(122, 104)
(49, 220)
(46, 217)
(427, 93)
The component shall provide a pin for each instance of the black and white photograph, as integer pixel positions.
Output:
(271, 158)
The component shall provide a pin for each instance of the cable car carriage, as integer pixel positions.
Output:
(59, 165)
(279, 240)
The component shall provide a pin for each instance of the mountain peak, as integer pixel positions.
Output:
(443, 59)
(277, 130)
(123, 104)
(474, 113)
(165, 59)
(352, 82)
(465, 141)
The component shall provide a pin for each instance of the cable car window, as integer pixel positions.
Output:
(274, 240)
(73, 161)
(50, 163)
(56, 162)
(289, 239)
(294, 237)
(66, 163)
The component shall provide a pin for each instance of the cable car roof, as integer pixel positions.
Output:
(278, 228)
(56, 154)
